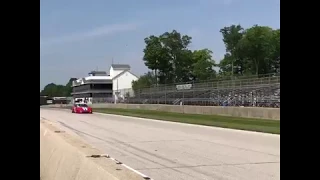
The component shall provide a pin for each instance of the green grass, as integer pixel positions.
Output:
(250, 124)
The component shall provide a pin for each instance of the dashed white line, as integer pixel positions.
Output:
(143, 175)
(120, 163)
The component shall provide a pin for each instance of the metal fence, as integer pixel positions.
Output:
(261, 91)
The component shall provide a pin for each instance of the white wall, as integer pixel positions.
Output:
(124, 82)
(114, 73)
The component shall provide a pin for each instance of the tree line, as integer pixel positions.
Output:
(251, 51)
(57, 90)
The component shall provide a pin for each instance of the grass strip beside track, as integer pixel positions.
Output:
(250, 124)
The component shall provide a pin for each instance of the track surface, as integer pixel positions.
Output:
(173, 151)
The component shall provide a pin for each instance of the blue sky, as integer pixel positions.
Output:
(77, 36)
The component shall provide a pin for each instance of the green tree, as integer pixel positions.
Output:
(248, 51)
(68, 87)
(203, 65)
(275, 53)
(169, 57)
(53, 90)
(252, 51)
(257, 46)
(225, 65)
(176, 46)
(155, 57)
(145, 81)
(233, 62)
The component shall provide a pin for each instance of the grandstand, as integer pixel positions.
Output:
(263, 91)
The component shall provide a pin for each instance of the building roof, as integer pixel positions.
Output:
(87, 79)
(98, 72)
(120, 74)
(120, 66)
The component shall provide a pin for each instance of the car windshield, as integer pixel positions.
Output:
(82, 105)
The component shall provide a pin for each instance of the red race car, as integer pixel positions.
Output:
(81, 108)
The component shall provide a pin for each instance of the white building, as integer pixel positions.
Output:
(122, 79)
(101, 87)
(97, 87)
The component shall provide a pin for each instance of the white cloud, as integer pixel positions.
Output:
(93, 33)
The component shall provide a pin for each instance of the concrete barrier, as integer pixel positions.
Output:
(64, 157)
(248, 112)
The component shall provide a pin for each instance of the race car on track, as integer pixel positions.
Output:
(81, 108)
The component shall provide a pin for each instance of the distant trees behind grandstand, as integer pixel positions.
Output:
(251, 51)
(55, 90)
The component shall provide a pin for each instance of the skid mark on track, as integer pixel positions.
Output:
(135, 148)
(114, 132)
(116, 144)
(215, 143)
(118, 162)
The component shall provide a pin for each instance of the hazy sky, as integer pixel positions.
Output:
(77, 36)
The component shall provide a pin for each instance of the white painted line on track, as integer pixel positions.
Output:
(120, 163)
(143, 175)
(130, 168)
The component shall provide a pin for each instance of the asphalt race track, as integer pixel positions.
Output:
(174, 151)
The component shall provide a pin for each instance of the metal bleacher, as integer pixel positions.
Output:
(250, 91)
